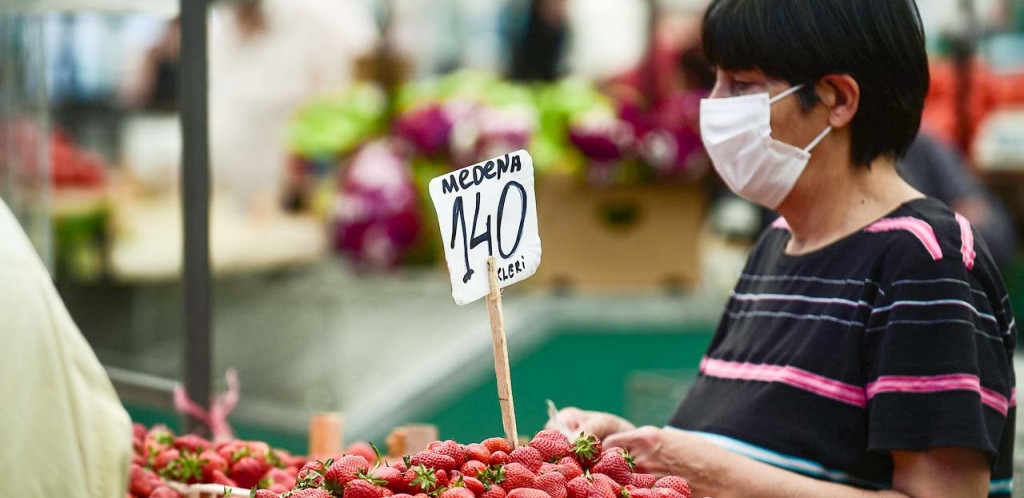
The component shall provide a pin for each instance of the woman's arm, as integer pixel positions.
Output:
(713, 471)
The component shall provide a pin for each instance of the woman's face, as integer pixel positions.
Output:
(790, 123)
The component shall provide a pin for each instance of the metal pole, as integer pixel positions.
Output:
(195, 188)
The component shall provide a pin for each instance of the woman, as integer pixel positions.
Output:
(867, 347)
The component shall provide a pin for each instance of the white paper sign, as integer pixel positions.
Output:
(488, 209)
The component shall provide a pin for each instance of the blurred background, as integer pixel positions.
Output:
(326, 120)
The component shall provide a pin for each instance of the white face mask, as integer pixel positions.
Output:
(737, 135)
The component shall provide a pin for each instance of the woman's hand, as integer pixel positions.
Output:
(599, 424)
(672, 452)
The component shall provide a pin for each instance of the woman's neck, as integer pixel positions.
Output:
(841, 200)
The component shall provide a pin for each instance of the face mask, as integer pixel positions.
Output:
(737, 135)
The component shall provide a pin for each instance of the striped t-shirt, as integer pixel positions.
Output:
(897, 337)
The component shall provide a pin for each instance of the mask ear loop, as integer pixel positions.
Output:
(814, 143)
(789, 91)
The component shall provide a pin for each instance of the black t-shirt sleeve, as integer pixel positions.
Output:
(938, 372)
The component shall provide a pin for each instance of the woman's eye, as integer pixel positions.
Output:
(742, 86)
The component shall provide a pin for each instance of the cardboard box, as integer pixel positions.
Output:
(619, 238)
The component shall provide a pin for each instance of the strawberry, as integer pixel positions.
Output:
(668, 493)
(434, 460)
(311, 493)
(607, 484)
(401, 465)
(547, 468)
(587, 449)
(218, 477)
(344, 471)
(494, 492)
(475, 485)
(457, 492)
(192, 443)
(420, 495)
(138, 431)
(140, 483)
(402, 495)
(364, 450)
(477, 451)
(454, 450)
(527, 493)
(312, 474)
(527, 456)
(248, 471)
(551, 444)
(473, 468)
(279, 489)
(497, 444)
(570, 468)
(163, 458)
(630, 491)
(164, 492)
(425, 479)
(674, 482)
(392, 478)
(642, 480)
(263, 493)
(553, 484)
(361, 488)
(498, 458)
(518, 476)
(279, 476)
(211, 461)
(187, 468)
(615, 464)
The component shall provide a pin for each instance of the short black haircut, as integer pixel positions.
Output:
(880, 43)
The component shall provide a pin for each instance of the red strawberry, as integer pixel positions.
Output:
(311, 493)
(361, 488)
(473, 468)
(477, 451)
(497, 444)
(587, 449)
(392, 478)
(473, 484)
(313, 473)
(248, 471)
(386, 493)
(402, 495)
(138, 431)
(279, 476)
(279, 489)
(528, 493)
(211, 461)
(420, 495)
(570, 468)
(498, 458)
(527, 456)
(518, 476)
(264, 493)
(615, 464)
(494, 492)
(364, 450)
(553, 484)
(344, 471)
(164, 492)
(218, 477)
(434, 460)
(454, 450)
(631, 491)
(442, 478)
(141, 483)
(426, 480)
(674, 482)
(551, 444)
(165, 457)
(457, 492)
(643, 480)
(191, 442)
(547, 468)
(606, 483)
(668, 493)
(579, 487)
(399, 465)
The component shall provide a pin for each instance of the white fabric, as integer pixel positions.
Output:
(737, 134)
(63, 431)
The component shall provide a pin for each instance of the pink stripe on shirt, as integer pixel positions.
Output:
(937, 383)
(966, 241)
(791, 376)
(920, 228)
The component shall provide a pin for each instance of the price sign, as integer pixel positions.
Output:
(488, 210)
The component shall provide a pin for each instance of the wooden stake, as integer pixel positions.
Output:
(508, 412)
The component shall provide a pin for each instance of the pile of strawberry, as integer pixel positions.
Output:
(550, 466)
(161, 456)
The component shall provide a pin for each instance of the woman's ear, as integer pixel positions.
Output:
(841, 95)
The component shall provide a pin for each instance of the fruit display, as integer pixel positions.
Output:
(550, 466)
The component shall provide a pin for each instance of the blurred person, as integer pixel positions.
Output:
(267, 57)
(867, 349)
(64, 431)
(152, 82)
(937, 170)
(538, 47)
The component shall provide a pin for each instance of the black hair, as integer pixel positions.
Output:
(880, 43)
